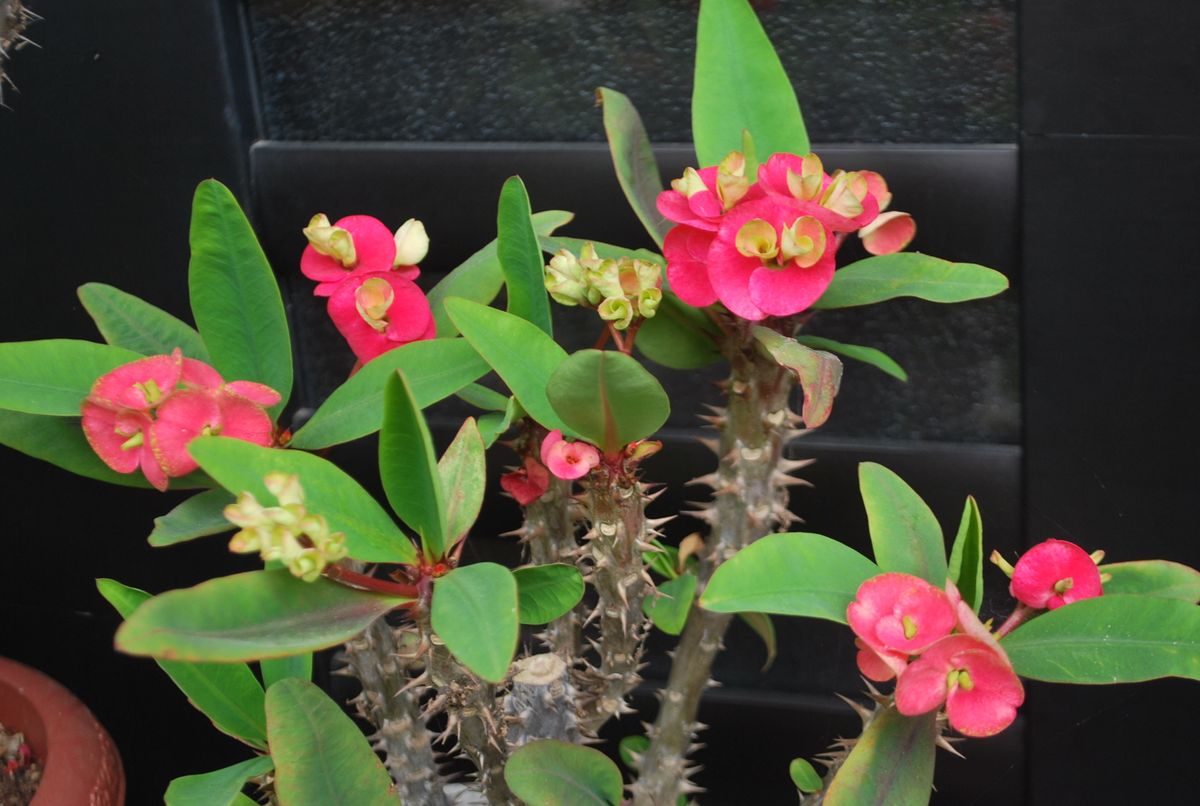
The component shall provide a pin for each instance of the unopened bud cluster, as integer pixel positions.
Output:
(618, 289)
(287, 533)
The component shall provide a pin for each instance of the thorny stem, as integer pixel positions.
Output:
(751, 501)
(549, 532)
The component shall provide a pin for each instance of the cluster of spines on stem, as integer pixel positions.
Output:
(15, 18)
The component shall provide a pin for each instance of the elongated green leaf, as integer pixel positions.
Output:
(494, 424)
(219, 787)
(765, 629)
(1111, 639)
(546, 592)
(527, 370)
(633, 160)
(664, 562)
(608, 398)
(482, 397)
(227, 693)
(819, 373)
(891, 765)
(520, 257)
(474, 611)
(1153, 578)
(966, 557)
(53, 376)
(321, 757)
(435, 369)
(250, 616)
(740, 85)
(868, 355)
(552, 243)
(669, 611)
(130, 322)
(552, 773)
(790, 574)
(199, 516)
(371, 535)
(408, 467)
(275, 669)
(910, 274)
(235, 300)
(678, 336)
(479, 278)
(463, 473)
(804, 776)
(904, 533)
(60, 441)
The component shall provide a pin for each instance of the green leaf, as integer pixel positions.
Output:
(633, 159)
(1110, 639)
(966, 557)
(546, 592)
(130, 322)
(665, 561)
(526, 371)
(199, 516)
(275, 669)
(608, 398)
(765, 628)
(552, 773)
(1153, 578)
(669, 610)
(891, 765)
(740, 85)
(790, 574)
(909, 274)
(479, 278)
(551, 244)
(632, 746)
(904, 533)
(235, 300)
(678, 336)
(520, 257)
(494, 424)
(804, 776)
(219, 787)
(227, 693)
(868, 355)
(408, 467)
(474, 611)
(481, 397)
(819, 373)
(53, 376)
(463, 474)
(371, 535)
(321, 757)
(60, 441)
(435, 369)
(250, 616)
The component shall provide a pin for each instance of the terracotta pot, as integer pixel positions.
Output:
(81, 766)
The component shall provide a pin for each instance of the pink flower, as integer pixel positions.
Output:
(843, 202)
(139, 385)
(379, 311)
(527, 484)
(895, 616)
(693, 200)
(686, 251)
(1053, 574)
(978, 686)
(889, 232)
(331, 256)
(568, 460)
(770, 259)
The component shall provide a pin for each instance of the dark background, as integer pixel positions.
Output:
(1056, 142)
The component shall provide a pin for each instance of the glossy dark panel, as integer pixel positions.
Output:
(1110, 67)
(962, 359)
(424, 70)
(1110, 376)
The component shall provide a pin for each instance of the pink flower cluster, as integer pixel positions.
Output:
(143, 414)
(767, 248)
(935, 645)
(367, 273)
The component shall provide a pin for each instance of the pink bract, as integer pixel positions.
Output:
(568, 460)
(897, 615)
(201, 375)
(772, 178)
(108, 431)
(702, 210)
(686, 251)
(527, 484)
(179, 420)
(408, 318)
(978, 686)
(140, 384)
(1055, 573)
(888, 233)
(374, 247)
(753, 290)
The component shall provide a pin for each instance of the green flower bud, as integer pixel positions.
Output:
(617, 310)
(565, 280)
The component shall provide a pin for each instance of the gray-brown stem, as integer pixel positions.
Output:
(751, 501)
(549, 531)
